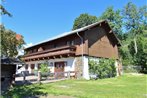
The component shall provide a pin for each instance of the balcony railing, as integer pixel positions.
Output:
(51, 52)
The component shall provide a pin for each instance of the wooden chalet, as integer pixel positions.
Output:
(70, 51)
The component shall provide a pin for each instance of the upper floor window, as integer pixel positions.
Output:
(55, 45)
(40, 49)
(70, 42)
(35, 50)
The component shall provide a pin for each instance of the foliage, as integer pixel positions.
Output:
(131, 69)
(126, 86)
(84, 20)
(134, 18)
(104, 68)
(140, 58)
(115, 20)
(44, 68)
(135, 25)
(3, 11)
(24, 91)
(127, 23)
(9, 43)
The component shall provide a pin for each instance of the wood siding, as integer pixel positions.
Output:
(100, 44)
(97, 42)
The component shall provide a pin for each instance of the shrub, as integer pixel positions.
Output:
(103, 68)
(44, 69)
(131, 69)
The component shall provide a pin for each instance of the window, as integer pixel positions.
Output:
(70, 42)
(38, 65)
(32, 66)
(40, 49)
(35, 50)
(55, 46)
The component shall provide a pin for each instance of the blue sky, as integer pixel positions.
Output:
(38, 20)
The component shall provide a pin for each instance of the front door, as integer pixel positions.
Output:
(59, 69)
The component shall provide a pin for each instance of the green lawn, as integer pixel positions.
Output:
(126, 86)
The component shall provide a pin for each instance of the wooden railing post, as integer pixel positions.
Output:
(69, 75)
(39, 76)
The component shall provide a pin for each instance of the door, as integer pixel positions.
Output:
(59, 69)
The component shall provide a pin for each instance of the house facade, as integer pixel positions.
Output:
(70, 51)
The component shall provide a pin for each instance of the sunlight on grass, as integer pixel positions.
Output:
(126, 86)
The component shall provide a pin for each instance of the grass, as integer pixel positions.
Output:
(126, 86)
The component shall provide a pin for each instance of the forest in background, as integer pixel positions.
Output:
(130, 26)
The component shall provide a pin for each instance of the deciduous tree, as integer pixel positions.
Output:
(84, 20)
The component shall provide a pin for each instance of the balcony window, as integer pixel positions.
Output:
(55, 46)
(40, 49)
(70, 42)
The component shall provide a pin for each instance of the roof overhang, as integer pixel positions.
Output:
(74, 32)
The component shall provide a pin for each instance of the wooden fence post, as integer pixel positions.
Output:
(39, 76)
(69, 75)
(24, 76)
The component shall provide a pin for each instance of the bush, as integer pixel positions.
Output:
(131, 69)
(44, 69)
(103, 68)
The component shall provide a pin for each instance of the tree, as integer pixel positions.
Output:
(84, 20)
(134, 18)
(4, 11)
(9, 43)
(115, 20)
(140, 58)
(136, 25)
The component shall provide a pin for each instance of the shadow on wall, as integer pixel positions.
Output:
(99, 33)
(26, 91)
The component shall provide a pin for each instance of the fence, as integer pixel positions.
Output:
(131, 69)
(38, 76)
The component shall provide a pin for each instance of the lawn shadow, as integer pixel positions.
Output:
(25, 91)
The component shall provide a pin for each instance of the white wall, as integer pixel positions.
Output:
(69, 67)
(116, 66)
(85, 68)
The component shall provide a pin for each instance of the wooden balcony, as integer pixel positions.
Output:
(51, 53)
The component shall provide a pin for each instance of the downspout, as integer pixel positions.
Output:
(82, 50)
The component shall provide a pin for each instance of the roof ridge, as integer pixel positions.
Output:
(67, 33)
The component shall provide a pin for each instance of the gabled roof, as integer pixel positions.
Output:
(70, 33)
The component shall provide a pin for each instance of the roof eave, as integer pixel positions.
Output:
(69, 33)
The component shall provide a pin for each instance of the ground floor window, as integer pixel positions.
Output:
(32, 66)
